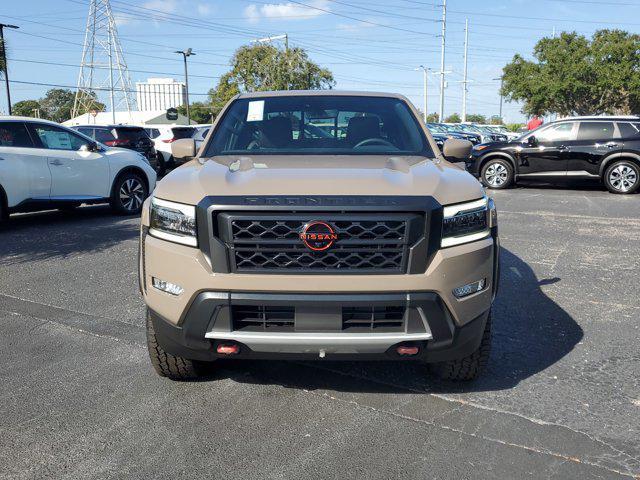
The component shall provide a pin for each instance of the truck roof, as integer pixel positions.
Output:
(328, 93)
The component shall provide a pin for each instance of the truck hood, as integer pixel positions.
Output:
(311, 175)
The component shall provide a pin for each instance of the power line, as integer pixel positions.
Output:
(100, 89)
(76, 65)
(360, 20)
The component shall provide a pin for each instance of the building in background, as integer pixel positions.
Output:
(151, 117)
(160, 94)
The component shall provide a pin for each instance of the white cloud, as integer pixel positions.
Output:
(204, 9)
(124, 19)
(164, 6)
(284, 11)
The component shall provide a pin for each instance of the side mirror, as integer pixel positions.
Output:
(89, 147)
(183, 148)
(532, 141)
(457, 149)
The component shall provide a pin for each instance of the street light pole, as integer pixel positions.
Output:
(4, 62)
(186, 53)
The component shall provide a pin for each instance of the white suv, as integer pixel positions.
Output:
(44, 165)
(163, 136)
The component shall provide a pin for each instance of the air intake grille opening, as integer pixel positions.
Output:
(262, 318)
(380, 319)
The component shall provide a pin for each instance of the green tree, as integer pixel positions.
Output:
(25, 108)
(265, 67)
(514, 127)
(200, 112)
(574, 75)
(476, 118)
(453, 118)
(433, 118)
(227, 89)
(496, 120)
(58, 103)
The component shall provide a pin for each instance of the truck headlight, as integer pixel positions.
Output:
(175, 222)
(465, 222)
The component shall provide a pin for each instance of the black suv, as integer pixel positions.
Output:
(605, 148)
(124, 136)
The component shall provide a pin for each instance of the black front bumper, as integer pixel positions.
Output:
(427, 324)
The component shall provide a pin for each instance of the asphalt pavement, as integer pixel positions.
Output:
(560, 399)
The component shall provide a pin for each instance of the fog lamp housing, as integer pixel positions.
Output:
(167, 287)
(469, 288)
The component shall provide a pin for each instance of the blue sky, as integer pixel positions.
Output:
(368, 44)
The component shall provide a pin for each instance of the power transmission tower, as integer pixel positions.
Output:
(103, 66)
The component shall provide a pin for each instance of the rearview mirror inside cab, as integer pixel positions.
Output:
(183, 148)
(456, 149)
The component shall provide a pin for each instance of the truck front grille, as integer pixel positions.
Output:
(366, 243)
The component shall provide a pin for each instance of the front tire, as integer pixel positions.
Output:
(167, 365)
(622, 177)
(497, 174)
(129, 193)
(469, 367)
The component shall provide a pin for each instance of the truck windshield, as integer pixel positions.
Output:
(319, 125)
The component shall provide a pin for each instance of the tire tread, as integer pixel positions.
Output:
(166, 364)
(469, 367)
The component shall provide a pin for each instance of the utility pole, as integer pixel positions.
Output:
(4, 62)
(501, 78)
(186, 53)
(444, 32)
(464, 81)
(425, 73)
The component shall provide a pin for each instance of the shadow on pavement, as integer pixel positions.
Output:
(530, 333)
(59, 234)
(578, 185)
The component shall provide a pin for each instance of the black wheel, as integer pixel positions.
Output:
(622, 177)
(160, 166)
(171, 366)
(129, 192)
(497, 173)
(469, 367)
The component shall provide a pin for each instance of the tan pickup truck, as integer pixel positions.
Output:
(319, 225)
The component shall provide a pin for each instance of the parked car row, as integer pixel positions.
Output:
(163, 136)
(153, 142)
(600, 148)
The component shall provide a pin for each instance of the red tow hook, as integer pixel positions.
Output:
(406, 350)
(228, 349)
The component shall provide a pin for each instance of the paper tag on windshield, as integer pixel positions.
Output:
(256, 111)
